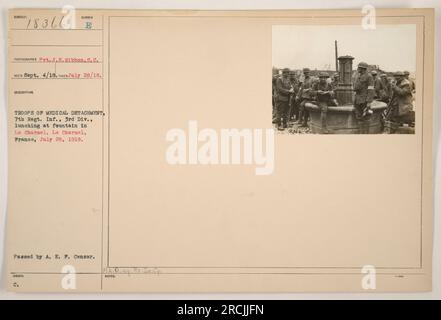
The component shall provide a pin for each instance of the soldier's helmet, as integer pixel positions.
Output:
(336, 75)
(323, 75)
(374, 72)
(306, 70)
(363, 65)
(383, 75)
(285, 71)
(406, 73)
(399, 74)
(292, 73)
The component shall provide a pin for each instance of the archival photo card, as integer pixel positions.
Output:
(143, 156)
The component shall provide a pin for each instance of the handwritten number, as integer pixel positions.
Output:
(55, 22)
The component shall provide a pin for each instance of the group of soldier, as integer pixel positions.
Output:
(291, 93)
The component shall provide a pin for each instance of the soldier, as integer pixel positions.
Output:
(400, 107)
(284, 91)
(293, 108)
(304, 96)
(364, 95)
(377, 84)
(323, 93)
(385, 90)
(335, 79)
(292, 76)
(412, 83)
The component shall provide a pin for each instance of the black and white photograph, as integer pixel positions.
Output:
(344, 79)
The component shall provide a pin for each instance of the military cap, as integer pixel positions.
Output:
(306, 70)
(323, 75)
(399, 74)
(374, 72)
(363, 65)
(285, 70)
(406, 73)
(336, 75)
(383, 75)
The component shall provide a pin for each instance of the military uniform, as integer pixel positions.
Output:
(293, 105)
(364, 94)
(412, 83)
(334, 84)
(284, 91)
(402, 101)
(377, 87)
(326, 87)
(383, 89)
(335, 81)
(303, 97)
(323, 93)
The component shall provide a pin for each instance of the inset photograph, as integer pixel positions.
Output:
(344, 79)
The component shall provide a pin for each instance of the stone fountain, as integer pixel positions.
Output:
(341, 118)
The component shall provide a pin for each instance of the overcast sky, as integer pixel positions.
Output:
(392, 47)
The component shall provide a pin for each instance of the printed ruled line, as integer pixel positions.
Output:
(219, 273)
(102, 156)
(97, 62)
(261, 267)
(24, 29)
(422, 146)
(56, 45)
(56, 78)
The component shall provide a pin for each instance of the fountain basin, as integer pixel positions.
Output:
(341, 119)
